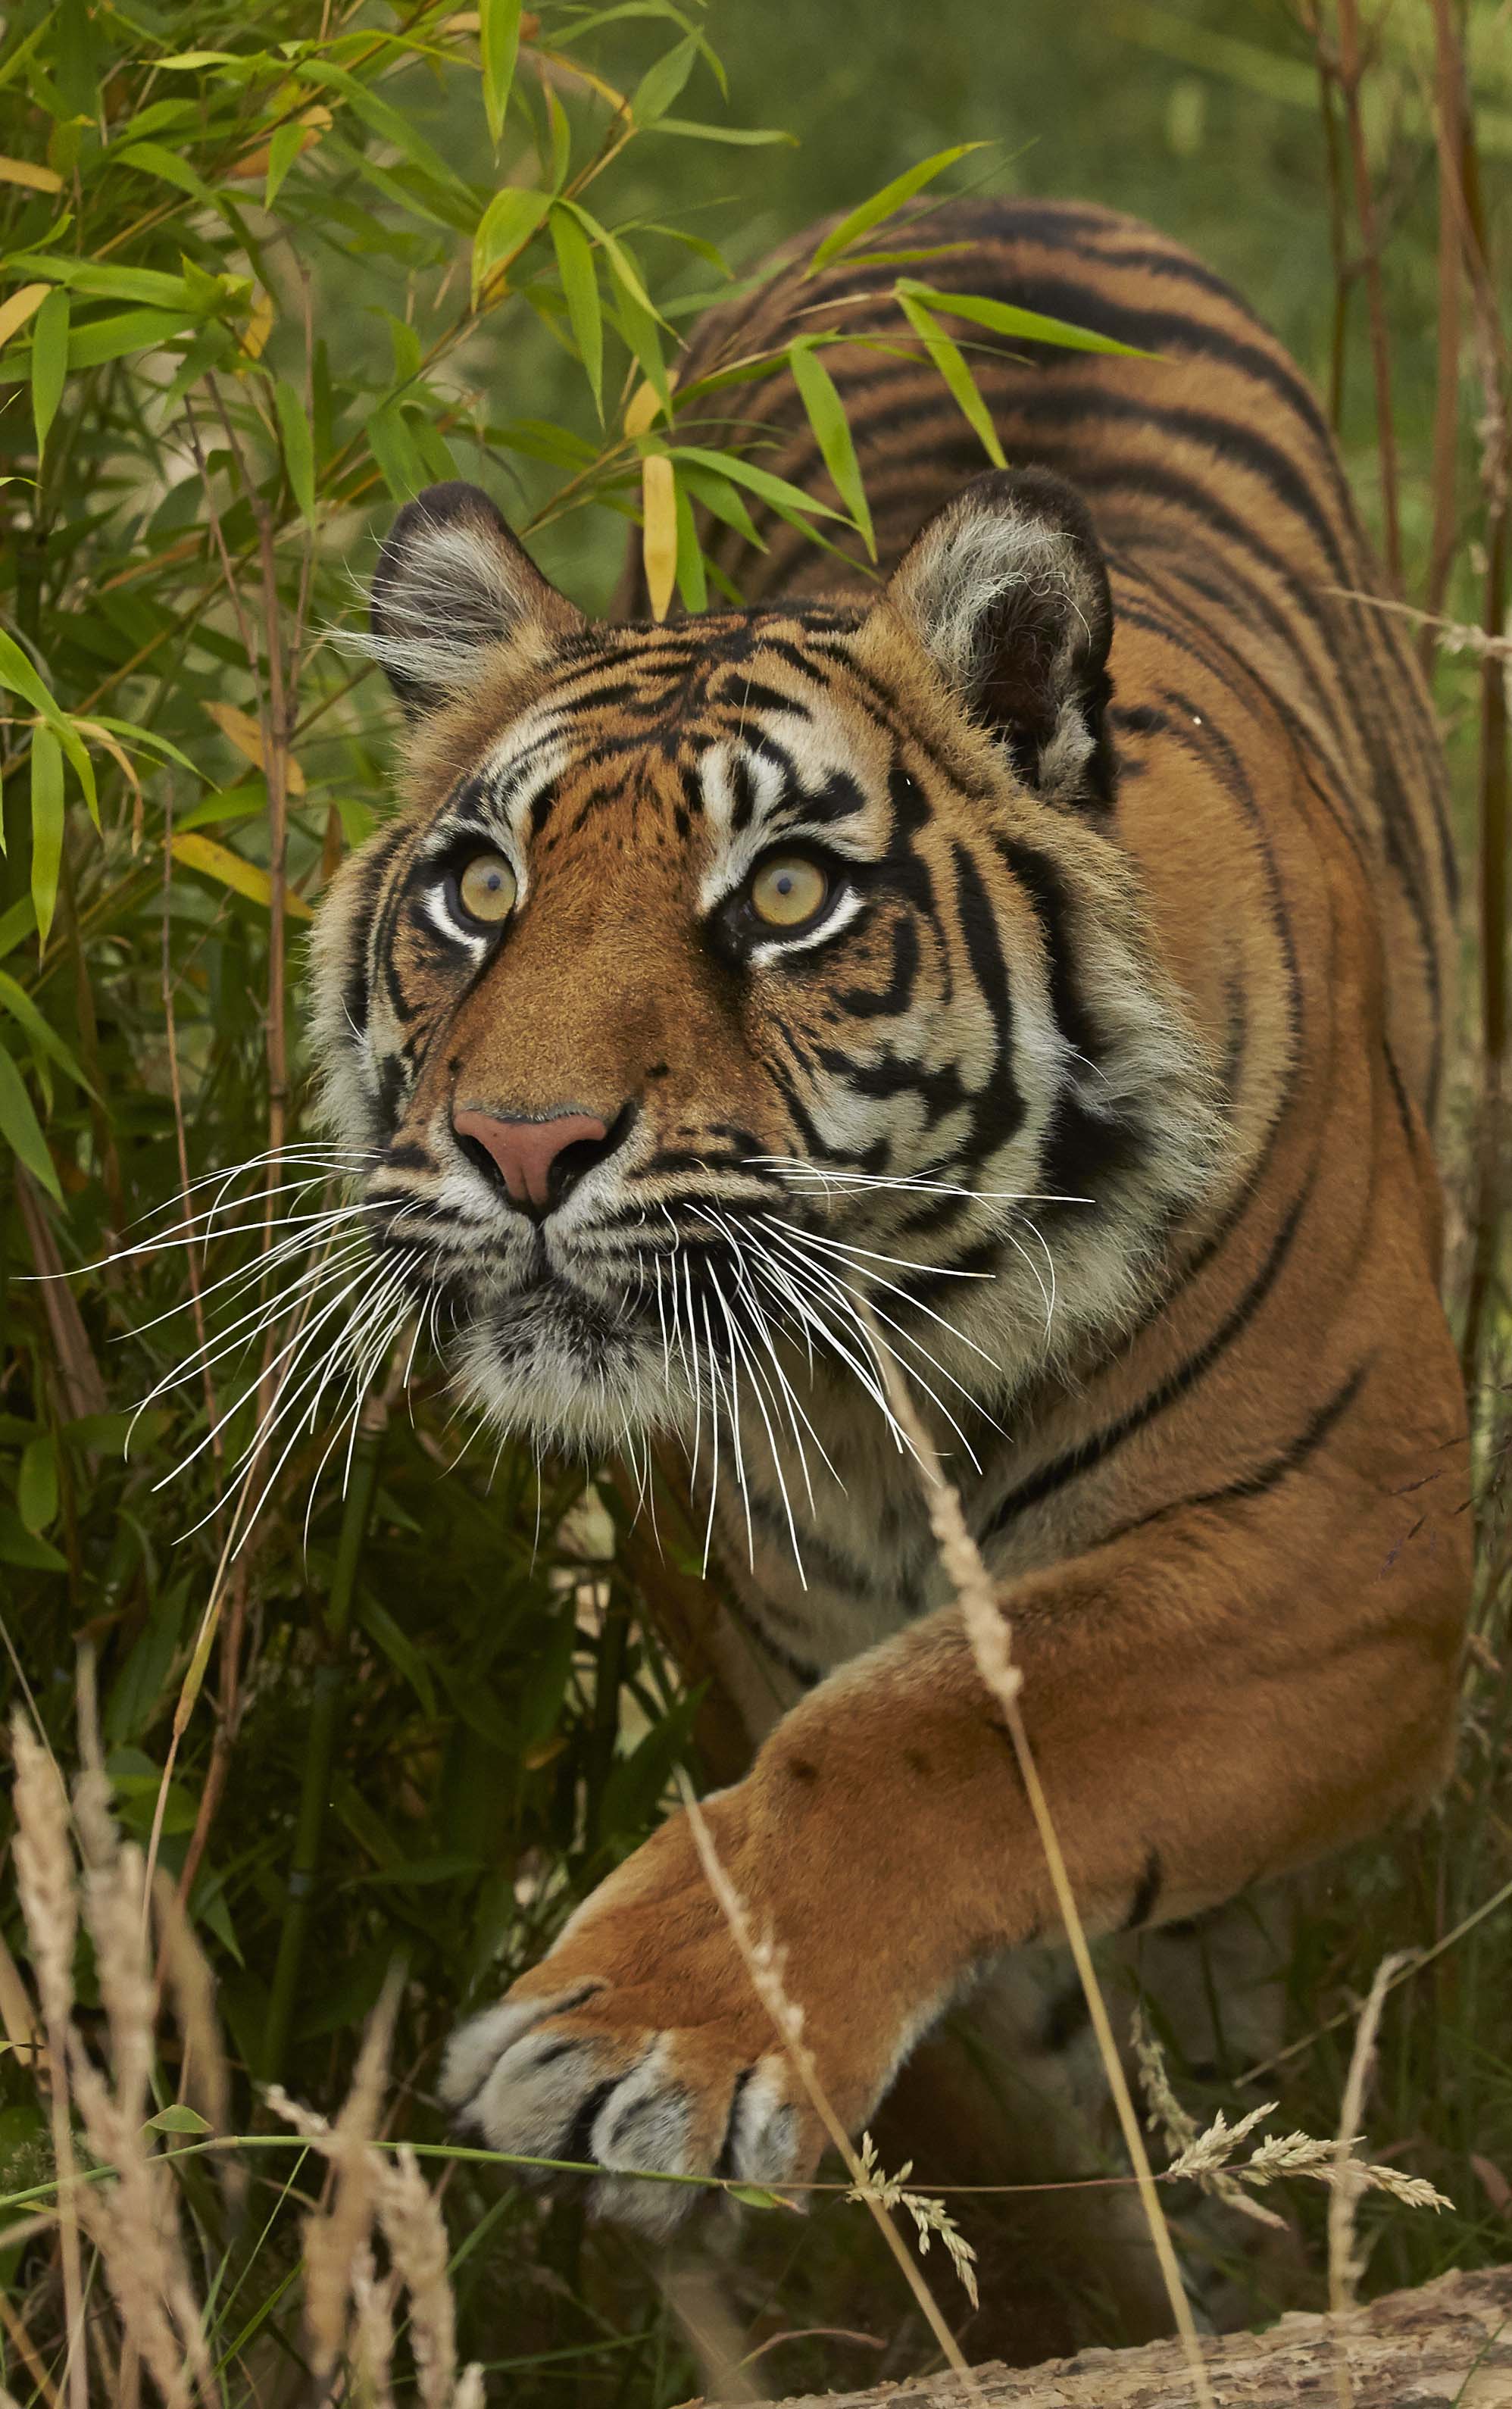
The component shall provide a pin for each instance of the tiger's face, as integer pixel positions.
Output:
(735, 996)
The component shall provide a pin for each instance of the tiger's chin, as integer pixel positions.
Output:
(559, 1368)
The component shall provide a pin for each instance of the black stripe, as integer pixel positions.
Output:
(1095, 1449)
(1266, 1475)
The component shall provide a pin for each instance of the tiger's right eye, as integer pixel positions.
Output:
(487, 889)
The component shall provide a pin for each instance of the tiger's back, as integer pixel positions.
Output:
(1217, 489)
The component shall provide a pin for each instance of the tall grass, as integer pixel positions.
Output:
(256, 292)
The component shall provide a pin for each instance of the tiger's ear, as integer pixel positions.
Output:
(452, 583)
(1007, 589)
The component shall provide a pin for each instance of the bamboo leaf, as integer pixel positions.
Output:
(660, 85)
(772, 489)
(1007, 318)
(133, 330)
(692, 579)
(49, 362)
(245, 734)
(35, 178)
(218, 861)
(949, 363)
(743, 135)
(46, 824)
(283, 149)
(299, 448)
(579, 282)
(833, 433)
(498, 38)
(505, 228)
(36, 1483)
(22, 1131)
(39, 1029)
(19, 306)
(658, 532)
(890, 197)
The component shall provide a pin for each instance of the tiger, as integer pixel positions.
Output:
(1022, 969)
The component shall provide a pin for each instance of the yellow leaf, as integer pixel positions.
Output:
(544, 1752)
(245, 734)
(254, 162)
(215, 861)
(22, 171)
(259, 325)
(658, 535)
(643, 404)
(19, 306)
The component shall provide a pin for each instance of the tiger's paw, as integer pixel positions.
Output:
(639, 2045)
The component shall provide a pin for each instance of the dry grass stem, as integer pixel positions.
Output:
(1345, 2264)
(989, 1634)
(45, 1882)
(763, 1964)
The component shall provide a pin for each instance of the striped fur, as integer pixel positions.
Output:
(1117, 1059)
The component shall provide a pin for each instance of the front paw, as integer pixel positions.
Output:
(639, 2045)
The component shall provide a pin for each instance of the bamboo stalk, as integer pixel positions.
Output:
(1351, 72)
(1449, 107)
(320, 1745)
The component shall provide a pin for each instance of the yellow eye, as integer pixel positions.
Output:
(487, 888)
(788, 890)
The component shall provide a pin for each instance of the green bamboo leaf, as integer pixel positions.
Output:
(22, 1131)
(499, 38)
(390, 123)
(16, 672)
(132, 330)
(949, 362)
(155, 159)
(49, 362)
(1007, 318)
(18, 1545)
(625, 271)
(740, 134)
(39, 1029)
(561, 140)
(46, 824)
(661, 83)
(881, 204)
(103, 282)
(831, 432)
(579, 282)
(692, 579)
(283, 149)
(775, 490)
(298, 447)
(392, 447)
(505, 228)
(719, 496)
(36, 1483)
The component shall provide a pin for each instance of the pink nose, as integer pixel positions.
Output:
(527, 1152)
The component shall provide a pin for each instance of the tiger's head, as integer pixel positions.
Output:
(725, 990)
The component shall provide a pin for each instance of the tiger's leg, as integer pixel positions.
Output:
(1011, 2090)
(1213, 1699)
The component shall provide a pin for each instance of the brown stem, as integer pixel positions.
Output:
(1351, 71)
(1494, 780)
(1449, 105)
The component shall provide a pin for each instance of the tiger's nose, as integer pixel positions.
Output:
(539, 1161)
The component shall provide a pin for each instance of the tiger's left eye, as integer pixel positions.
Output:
(487, 888)
(788, 891)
